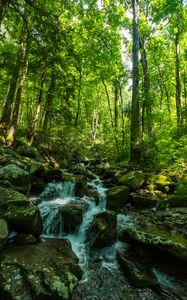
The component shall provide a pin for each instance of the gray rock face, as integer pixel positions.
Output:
(102, 231)
(21, 215)
(16, 176)
(46, 270)
(3, 233)
(117, 197)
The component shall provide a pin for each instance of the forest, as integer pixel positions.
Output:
(93, 149)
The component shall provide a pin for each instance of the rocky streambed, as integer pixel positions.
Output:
(120, 234)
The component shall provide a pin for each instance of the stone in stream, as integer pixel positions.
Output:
(4, 231)
(117, 198)
(45, 270)
(20, 213)
(137, 270)
(72, 214)
(102, 231)
(171, 245)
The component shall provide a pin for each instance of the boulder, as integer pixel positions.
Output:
(50, 175)
(28, 151)
(93, 194)
(45, 270)
(141, 202)
(18, 177)
(136, 269)
(21, 215)
(36, 168)
(103, 229)
(134, 180)
(72, 214)
(163, 183)
(3, 233)
(171, 245)
(25, 239)
(80, 185)
(117, 198)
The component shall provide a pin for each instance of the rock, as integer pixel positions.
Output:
(136, 269)
(141, 202)
(25, 239)
(3, 233)
(52, 175)
(174, 201)
(80, 185)
(79, 169)
(162, 183)
(117, 198)
(21, 215)
(94, 195)
(46, 270)
(36, 168)
(18, 177)
(37, 186)
(28, 151)
(72, 214)
(102, 231)
(171, 245)
(134, 180)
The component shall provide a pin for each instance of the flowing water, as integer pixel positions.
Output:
(102, 277)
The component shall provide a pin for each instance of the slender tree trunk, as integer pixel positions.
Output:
(147, 95)
(79, 99)
(7, 110)
(2, 8)
(35, 122)
(122, 115)
(95, 122)
(177, 79)
(110, 111)
(185, 102)
(135, 114)
(116, 99)
(49, 102)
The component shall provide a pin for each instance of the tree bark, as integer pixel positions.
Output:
(49, 102)
(135, 114)
(2, 8)
(35, 122)
(146, 86)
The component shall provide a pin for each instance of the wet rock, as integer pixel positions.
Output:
(94, 195)
(136, 269)
(25, 239)
(102, 231)
(80, 185)
(134, 179)
(37, 186)
(28, 151)
(18, 177)
(4, 231)
(117, 198)
(21, 215)
(72, 214)
(36, 168)
(50, 175)
(46, 270)
(141, 202)
(171, 245)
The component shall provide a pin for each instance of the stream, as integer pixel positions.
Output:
(103, 279)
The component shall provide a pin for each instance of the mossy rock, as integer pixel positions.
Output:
(18, 177)
(135, 268)
(50, 269)
(103, 229)
(117, 198)
(170, 245)
(28, 151)
(4, 232)
(163, 183)
(134, 180)
(50, 175)
(21, 215)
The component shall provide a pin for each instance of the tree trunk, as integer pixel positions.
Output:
(79, 98)
(49, 102)
(2, 8)
(122, 115)
(7, 110)
(177, 79)
(147, 95)
(35, 122)
(135, 114)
